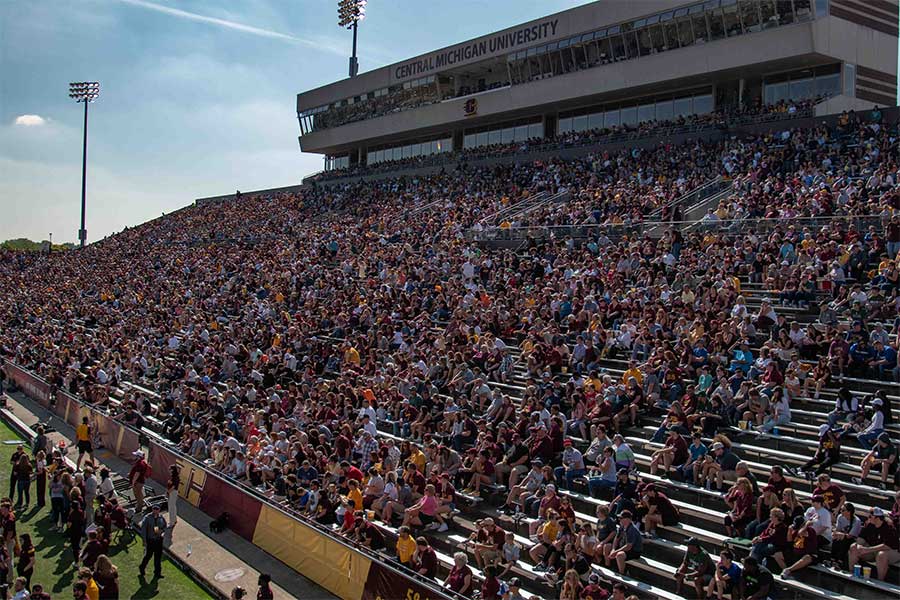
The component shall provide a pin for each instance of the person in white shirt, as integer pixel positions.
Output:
(819, 517)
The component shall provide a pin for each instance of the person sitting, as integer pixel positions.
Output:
(696, 568)
(802, 550)
(877, 539)
(882, 457)
(741, 503)
(726, 577)
(626, 545)
(846, 529)
(773, 539)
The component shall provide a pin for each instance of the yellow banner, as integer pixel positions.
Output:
(335, 567)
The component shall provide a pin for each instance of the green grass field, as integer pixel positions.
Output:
(55, 568)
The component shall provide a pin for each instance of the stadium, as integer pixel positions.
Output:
(600, 305)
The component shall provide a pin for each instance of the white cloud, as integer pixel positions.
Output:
(30, 120)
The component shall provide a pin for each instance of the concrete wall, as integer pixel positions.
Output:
(801, 45)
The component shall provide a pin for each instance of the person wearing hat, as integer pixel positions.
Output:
(802, 549)
(625, 495)
(719, 465)
(868, 436)
(828, 453)
(152, 529)
(696, 568)
(593, 590)
(139, 473)
(514, 590)
(626, 545)
(572, 464)
(879, 538)
(883, 455)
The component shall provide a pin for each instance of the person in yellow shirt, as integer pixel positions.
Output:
(406, 546)
(351, 355)
(83, 439)
(419, 458)
(354, 494)
(633, 371)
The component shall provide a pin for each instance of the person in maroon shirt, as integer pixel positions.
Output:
(660, 510)
(415, 479)
(425, 558)
(674, 452)
(773, 539)
(459, 579)
(832, 493)
(351, 472)
(879, 538)
(490, 587)
(541, 446)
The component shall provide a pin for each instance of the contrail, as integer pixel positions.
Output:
(183, 14)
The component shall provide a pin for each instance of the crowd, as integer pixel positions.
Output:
(351, 352)
(722, 119)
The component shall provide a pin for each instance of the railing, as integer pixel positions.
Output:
(730, 226)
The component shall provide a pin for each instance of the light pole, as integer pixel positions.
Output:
(87, 92)
(350, 13)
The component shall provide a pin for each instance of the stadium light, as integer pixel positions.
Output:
(350, 13)
(87, 92)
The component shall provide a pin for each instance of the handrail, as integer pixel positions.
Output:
(724, 225)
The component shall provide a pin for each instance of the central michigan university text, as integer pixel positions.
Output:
(498, 43)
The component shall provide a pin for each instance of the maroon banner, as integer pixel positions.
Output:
(220, 496)
(208, 491)
(383, 583)
(30, 384)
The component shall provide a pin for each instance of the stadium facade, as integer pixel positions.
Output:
(605, 64)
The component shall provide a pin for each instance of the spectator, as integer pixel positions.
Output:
(877, 539)
(107, 577)
(882, 457)
(627, 544)
(459, 579)
(152, 528)
(726, 577)
(696, 568)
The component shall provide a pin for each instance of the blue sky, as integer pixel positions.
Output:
(197, 97)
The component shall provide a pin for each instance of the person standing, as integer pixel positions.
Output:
(23, 471)
(172, 494)
(152, 528)
(40, 443)
(26, 560)
(90, 493)
(8, 527)
(40, 478)
(13, 464)
(83, 438)
(265, 587)
(76, 521)
(91, 589)
(107, 577)
(139, 473)
(106, 487)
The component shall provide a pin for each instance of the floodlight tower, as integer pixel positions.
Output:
(87, 92)
(350, 13)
